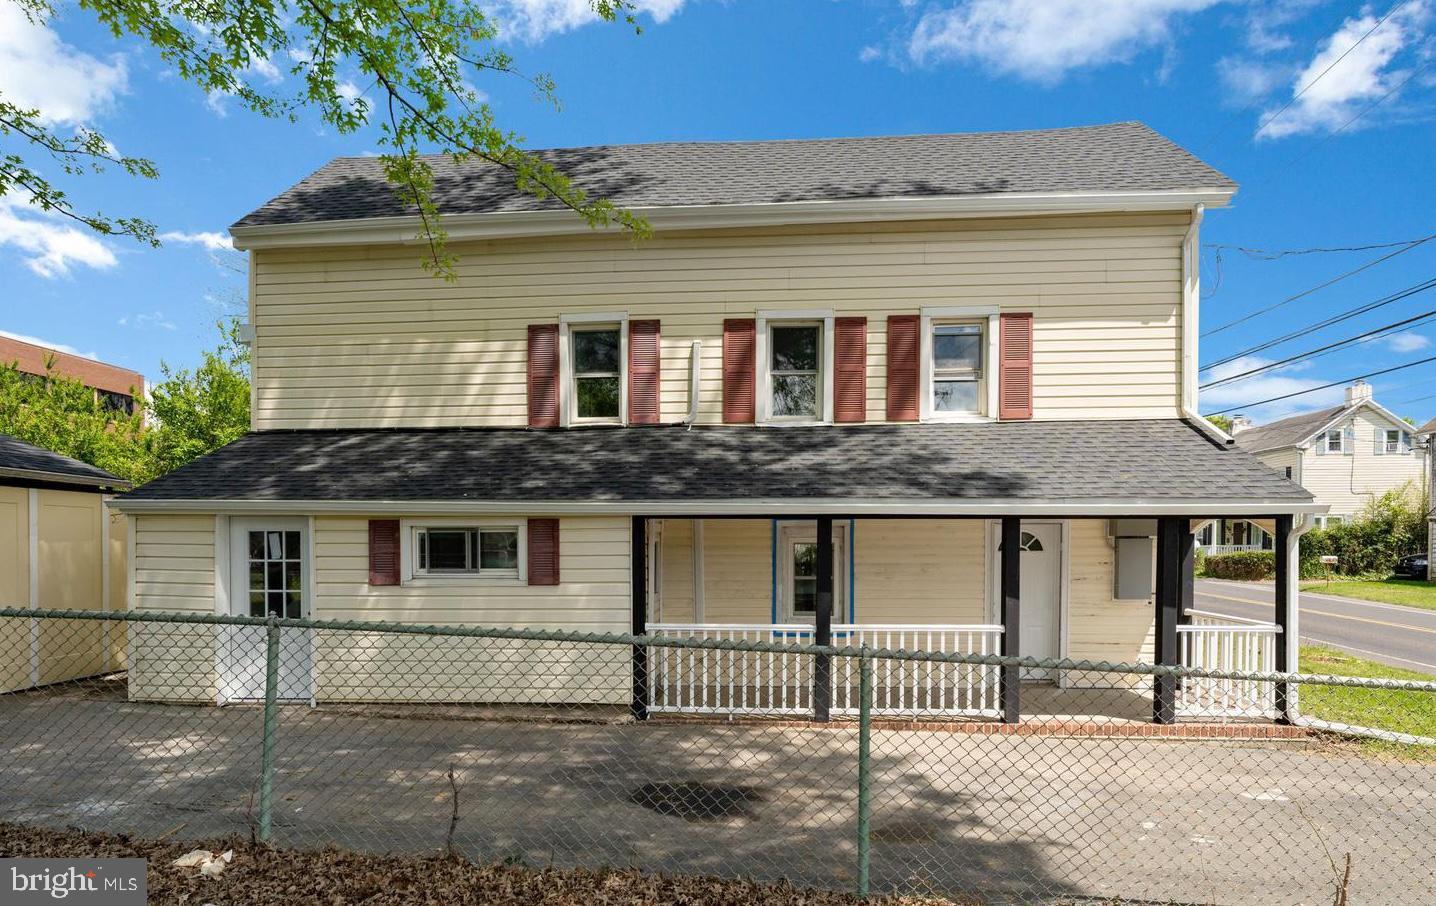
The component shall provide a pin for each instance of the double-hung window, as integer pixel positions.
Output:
(596, 354)
(460, 550)
(1333, 440)
(1394, 441)
(795, 372)
(957, 368)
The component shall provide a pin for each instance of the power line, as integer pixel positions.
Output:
(1304, 293)
(1274, 254)
(1335, 319)
(1323, 350)
(1343, 381)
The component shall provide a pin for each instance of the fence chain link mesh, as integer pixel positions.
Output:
(703, 757)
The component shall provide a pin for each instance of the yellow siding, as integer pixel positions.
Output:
(174, 572)
(1099, 627)
(921, 571)
(365, 337)
(119, 585)
(1348, 482)
(593, 596)
(677, 571)
(14, 586)
(71, 578)
(737, 571)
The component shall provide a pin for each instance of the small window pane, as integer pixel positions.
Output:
(795, 348)
(293, 608)
(499, 550)
(957, 346)
(954, 396)
(291, 545)
(256, 545)
(447, 550)
(256, 577)
(274, 579)
(805, 595)
(795, 394)
(276, 603)
(595, 351)
(598, 397)
(256, 604)
(293, 577)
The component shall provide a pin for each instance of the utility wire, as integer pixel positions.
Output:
(1274, 254)
(1335, 319)
(1343, 381)
(1324, 350)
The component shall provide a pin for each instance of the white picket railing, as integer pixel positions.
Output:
(1219, 642)
(696, 681)
(1213, 550)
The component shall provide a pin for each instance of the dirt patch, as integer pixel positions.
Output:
(263, 877)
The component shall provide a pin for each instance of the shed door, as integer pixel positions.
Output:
(269, 575)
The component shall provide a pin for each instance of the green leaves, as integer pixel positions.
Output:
(418, 58)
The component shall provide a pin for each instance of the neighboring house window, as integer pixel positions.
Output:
(957, 369)
(596, 391)
(1288, 471)
(795, 372)
(1396, 441)
(458, 550)
(1333, 440)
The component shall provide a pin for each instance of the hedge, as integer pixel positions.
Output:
(1391, 527)
(1243, 565)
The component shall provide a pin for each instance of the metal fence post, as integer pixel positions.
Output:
(865, 777)
(271, 719)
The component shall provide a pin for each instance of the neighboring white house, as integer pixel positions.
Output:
(1423, 435)
(1346, 456)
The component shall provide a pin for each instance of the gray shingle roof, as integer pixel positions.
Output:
(1014, 460)
(1114, 157)
(19, 459)
(1287, 432)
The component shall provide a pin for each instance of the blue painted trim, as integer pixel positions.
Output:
(852, 570)
(774, 567)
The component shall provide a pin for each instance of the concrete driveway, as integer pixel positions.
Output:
(1388, 633)
(1025, 818)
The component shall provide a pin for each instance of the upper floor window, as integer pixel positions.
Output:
(596, 354)
(957, 368)
(795, 372)
(1333, 440)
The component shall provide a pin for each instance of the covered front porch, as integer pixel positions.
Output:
(1099, 590)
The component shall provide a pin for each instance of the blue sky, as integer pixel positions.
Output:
(1346, 163)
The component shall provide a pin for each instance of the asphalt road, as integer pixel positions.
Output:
(1388, 633)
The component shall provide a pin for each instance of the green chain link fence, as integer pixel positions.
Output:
(544, 748)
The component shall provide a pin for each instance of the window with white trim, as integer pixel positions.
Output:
(596, 373)
(460, 550)
(1394, 440)
(1333, 440)
(795, 371)
(957, 368)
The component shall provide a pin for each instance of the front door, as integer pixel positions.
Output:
(1040, 618)
(268, 577)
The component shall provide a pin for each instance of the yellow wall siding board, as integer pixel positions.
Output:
(14, 586)
(920, 571)
(1099, 627)
(174, 572)
(738, 571)
(70, 579)
(676, 571)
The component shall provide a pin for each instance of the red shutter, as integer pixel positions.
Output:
(383, 552)
(1014, 366)
(850, 369)
(543, 551)
(643, 377)
(740, 363)
(543, 375)
(903, 346)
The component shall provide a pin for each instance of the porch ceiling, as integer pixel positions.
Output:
(1072, 466)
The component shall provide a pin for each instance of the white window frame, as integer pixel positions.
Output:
(766, 321)
(568, 398)
(1398, 445)
(1340, 440)
(409, 551)
(790, 533)
(959, 314)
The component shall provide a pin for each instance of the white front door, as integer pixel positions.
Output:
(1040, 618)
(269, 576)
(798, 572)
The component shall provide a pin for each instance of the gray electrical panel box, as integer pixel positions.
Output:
(1133, 572)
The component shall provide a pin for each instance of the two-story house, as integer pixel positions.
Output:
(1346, 456)
(924, 392)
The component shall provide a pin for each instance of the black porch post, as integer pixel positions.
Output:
(638, 576)
(1187, 583)
(823, 621)
(1282, 555)
(1011, 593)
(1169, 602)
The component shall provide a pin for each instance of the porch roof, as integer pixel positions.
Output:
(1055, 467)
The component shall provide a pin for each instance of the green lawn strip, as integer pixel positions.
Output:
(1410, 592)
(1380, 709)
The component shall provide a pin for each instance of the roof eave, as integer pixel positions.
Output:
(405, 229)
(40, 475)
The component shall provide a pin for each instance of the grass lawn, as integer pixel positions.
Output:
(1400, 712)
(1411, 592)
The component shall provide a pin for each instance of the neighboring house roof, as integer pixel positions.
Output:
(1133, 462)
(1120, 157)
(1298, 429)
(27, 462)
(1428, 428)
(32, 358)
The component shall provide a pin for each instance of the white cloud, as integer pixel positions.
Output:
(38, 70)
(1043, 40)
(58, 347)
(1248, 80)
(148, 319)
(50, 244)
(209, 240)
(534, 20)
(1367, 73)
(1268, 384)
(869, 54)
(1406, 341)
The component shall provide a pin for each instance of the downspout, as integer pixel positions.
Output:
(1191, 298)
(695, 367)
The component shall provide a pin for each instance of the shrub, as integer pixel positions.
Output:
(1390, 527)
(1242, 565)
(1199, 563)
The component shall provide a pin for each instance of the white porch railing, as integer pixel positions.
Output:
(1213, 550)
(1213, 641)
(698, 681)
